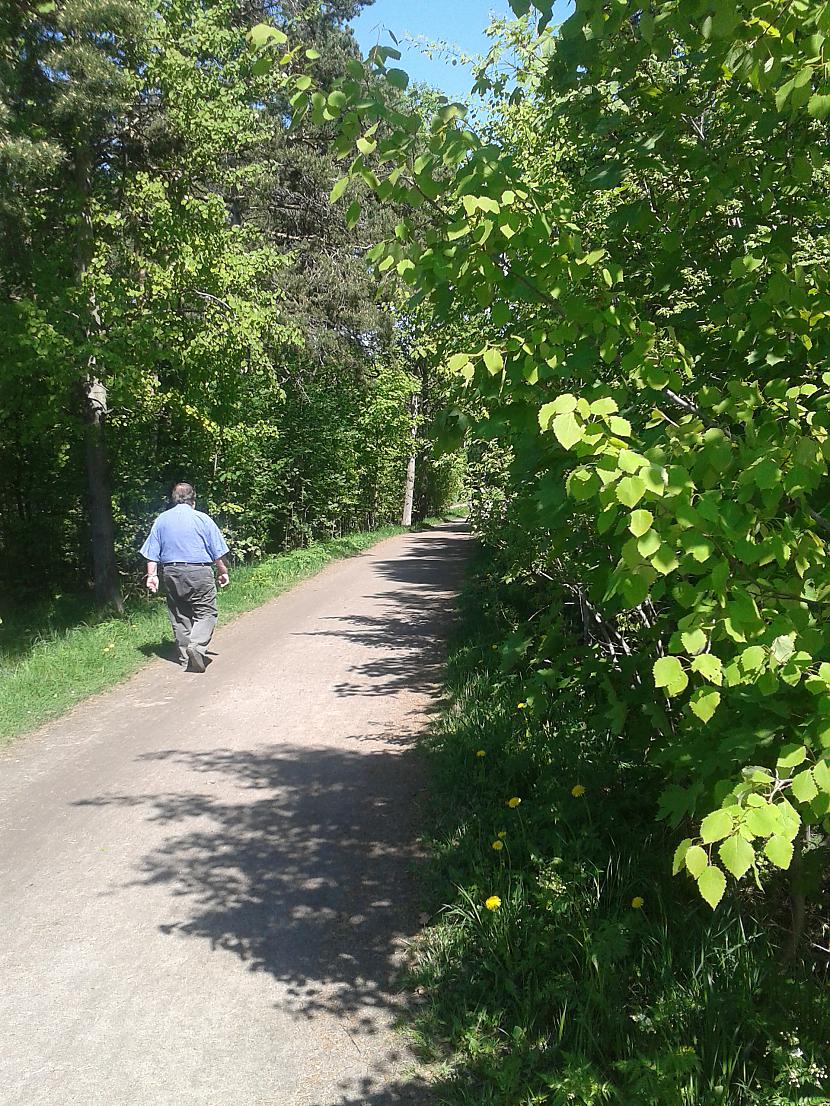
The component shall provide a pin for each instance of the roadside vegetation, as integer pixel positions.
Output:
(564, 964)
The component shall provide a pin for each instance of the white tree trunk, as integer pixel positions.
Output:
(409, 486)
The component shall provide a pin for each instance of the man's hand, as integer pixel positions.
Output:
(152, 577)
(222, 570)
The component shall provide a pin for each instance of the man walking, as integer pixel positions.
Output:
(186, 543)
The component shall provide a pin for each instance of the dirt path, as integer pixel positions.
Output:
(205, 880)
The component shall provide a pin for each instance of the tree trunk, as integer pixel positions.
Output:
(409, 486)
(105, 574)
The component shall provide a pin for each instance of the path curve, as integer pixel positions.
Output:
(205, 881)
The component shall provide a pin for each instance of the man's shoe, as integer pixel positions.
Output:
(196, 658)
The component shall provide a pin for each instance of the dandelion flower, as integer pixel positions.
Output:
(498, 846)
(481, 753)
(637, 902)
(521, 706)
(577, 791)
(501, 834)
(514, 802)
(493, 903)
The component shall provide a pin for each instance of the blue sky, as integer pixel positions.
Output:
(458, 23)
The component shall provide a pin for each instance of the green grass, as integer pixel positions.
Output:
(54, 655)
(568, 994)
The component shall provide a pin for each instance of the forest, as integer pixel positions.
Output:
(178, 300)
(603, 301)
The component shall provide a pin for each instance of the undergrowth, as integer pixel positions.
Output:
(565, 965)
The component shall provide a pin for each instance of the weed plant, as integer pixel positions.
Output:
(566, 965)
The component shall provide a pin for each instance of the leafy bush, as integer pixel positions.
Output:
(596, 977)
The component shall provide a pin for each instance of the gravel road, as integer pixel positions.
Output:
(205, 881)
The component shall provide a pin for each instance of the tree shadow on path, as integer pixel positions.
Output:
(299, 866)
(409, 636)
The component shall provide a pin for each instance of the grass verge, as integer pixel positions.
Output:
(564, 965)
(66, 652)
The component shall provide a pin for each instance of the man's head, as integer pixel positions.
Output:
(183, 493)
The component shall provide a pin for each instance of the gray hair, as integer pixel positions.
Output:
(183, 493)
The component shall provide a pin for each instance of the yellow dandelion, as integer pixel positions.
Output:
(497, 845)
(637, 902)
(514, 802)
(501, 834)
(521, 706)
(481, 753)
(577, 791)
(493, 903)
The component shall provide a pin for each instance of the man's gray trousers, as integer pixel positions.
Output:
(191, 604)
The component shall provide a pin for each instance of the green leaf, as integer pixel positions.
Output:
(562, 404)
(568, 429)
(783, 648)
(353, 214)
(791, 756)
(630, 490)
(821, 774)
(763, 821)
(398, 78)
(669, 674)
(819, 105)
(704, 703)
(709, 667)
(620, 427)
(712, 883)
(582, 484)
(698, 547)
(648, 544)
(694, 641)
(780, 851)
(665, 561)
(493, 360)
(458, 361)
(604, 406)
(695, 860)
(264, 35)
(804, 786)
(783, 94)
(338, 190)
(789, 818)
(629, 461)
(753, 658)
(716, 826)
(640, 522)
(680, 855)
(737, 856)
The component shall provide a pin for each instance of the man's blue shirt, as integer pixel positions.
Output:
(183, 534)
